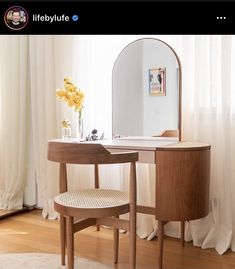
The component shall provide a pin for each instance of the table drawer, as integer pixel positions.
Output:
(145, 156)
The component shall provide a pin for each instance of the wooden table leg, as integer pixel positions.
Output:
(132, 214)
(70, 242)
(62, 238)
(116, 243)
(97, 185)
(182, 228)
(160, 239)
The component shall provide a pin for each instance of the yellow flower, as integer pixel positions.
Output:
(60, 93)
(73, 96)
(66, 123)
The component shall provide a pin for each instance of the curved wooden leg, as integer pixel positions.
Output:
(70, 242)
(182, 228)
(160, 239)
(115, 243)
(62, 238)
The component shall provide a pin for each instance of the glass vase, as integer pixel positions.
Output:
(80, 127)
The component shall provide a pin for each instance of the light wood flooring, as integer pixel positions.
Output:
(29, 232)
(5, 212)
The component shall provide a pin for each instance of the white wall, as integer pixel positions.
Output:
(127, 93)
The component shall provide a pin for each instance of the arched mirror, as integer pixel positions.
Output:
(146, 94)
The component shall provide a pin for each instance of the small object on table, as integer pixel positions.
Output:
(102, 137)
(94, 135)
(66, 129)
(88, 138)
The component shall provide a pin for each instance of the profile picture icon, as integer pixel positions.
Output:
(16, 18)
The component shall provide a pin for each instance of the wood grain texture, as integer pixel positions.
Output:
(85, 153)
(70, 242)
(112, 222)
(182, 189)
(182, 186)
(182, 231)
(160, 238)
(144, 155)
(29, 232)
(146, 209)
(116, 243)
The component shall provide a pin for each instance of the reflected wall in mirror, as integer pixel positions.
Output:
(146, 94)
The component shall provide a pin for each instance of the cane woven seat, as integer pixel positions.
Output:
(92, 198)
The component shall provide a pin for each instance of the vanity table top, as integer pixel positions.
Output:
(143, 143)
(185, 145)
(132, 143)
(140, 144)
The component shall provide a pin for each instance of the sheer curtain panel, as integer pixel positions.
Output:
(14, 119)
(209, 115)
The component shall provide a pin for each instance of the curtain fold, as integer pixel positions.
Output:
(14, 111)
(50, 61)
(209, 115)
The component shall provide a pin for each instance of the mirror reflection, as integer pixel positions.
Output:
(146, 89)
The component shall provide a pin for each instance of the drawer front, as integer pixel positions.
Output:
(145, 156)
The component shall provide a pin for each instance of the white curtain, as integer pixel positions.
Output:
(51, 60)
(14, 118)
(209, 115)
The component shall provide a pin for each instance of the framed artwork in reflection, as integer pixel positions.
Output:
(157, 81)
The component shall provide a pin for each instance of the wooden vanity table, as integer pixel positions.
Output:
(153, 151)
(182, 177)
(147, 149)
(182, 185)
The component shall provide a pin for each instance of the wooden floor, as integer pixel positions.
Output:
(5, 212)
(29, 232)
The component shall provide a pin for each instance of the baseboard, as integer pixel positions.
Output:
(7, 213)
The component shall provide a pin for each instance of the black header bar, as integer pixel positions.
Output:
(118, 17)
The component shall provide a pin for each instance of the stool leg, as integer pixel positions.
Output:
(115, 243)
(160, 239)
(62, 238)
(182, 228)
(132, 216)
(70, 242)
(97, 187)
(132, 243)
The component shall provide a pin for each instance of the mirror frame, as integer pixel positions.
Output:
(179, 81)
